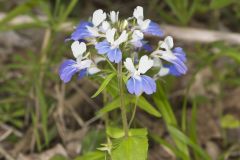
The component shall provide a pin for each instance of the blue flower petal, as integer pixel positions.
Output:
(180, 66)
(154, 29)
(67, 70)
(82, 73)
(178, 51)
(148, 84)
(134, 86)
(147, 47)
(173, 71)
(115, 55)
(103, 47)
(81, 31)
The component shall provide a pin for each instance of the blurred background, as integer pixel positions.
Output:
(41, 118)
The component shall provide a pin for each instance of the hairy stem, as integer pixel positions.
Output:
(122, 105)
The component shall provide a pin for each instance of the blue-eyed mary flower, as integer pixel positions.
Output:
(110, 46)
(138, 82)
(176, 57)
(81, 65)
(146, 26)
(87, 30)
(107, 34)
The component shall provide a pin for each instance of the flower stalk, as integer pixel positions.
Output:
(122, 103)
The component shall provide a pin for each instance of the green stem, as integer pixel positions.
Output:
(122, 105)
(134, 112)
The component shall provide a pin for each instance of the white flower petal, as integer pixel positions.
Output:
(169, 41)
(110, 35)
(85, 64)
(144, 64)
(122, 38)
(93, 70)
(157, 62)
(98, 59)
(163, 71)
(105, 26)
(98, 17)
(143, 24)
(93, 31)
(78, 48)
(137, 35)
(129, 65)
(138, 12)
(114, 16)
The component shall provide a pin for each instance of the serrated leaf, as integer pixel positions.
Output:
(104, 84)
(147, 107)
(130, 148)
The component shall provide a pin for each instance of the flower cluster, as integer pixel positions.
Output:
(123, 41)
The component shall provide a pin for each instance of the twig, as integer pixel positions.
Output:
(5, 153)
(15, 131)
(85, 96)
(201, 35)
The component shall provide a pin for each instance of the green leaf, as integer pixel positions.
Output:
(115, 132)
(19, 10)
(147, 107)
(44, 111)
(163, 105)
(58, 157)
(217, 4)
(113, 105)
(229, 121)
(68, 10)
(168, 145)
(130, 148)
(97, 155)
(104, 84)
(183, 138)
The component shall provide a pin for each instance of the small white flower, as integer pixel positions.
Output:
(105, 26)
(138, 12)
(137, 35)
(144, 65)
(115, 43)
(82, 64)
(98, 17)
(167, 45)
(94, 31)
(113, 16)
(78, 49)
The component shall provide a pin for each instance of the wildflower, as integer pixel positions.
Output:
(113, 16)
(138, 82)
(111, 46)
(146, 26)
(89, 29)
(176, 57)
(81, 65)
(137, 38)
